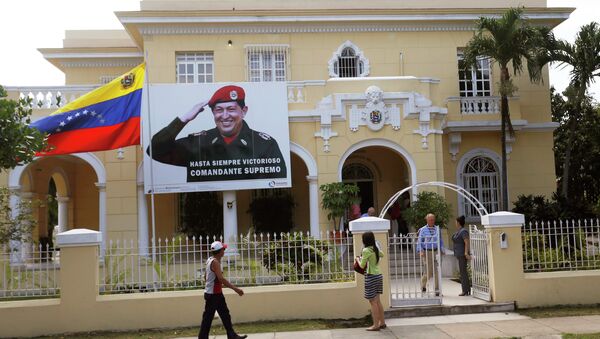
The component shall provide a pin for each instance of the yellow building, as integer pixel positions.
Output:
(342, 60)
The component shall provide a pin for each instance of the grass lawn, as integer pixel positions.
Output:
(258, 327)
(581, 336)
(560, 311)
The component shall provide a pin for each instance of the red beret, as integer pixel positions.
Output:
(227, 94)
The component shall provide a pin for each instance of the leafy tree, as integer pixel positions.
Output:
(509, 40)
(584, 58)
(536, 208)
(584, 148)
(18, 142)
(428, 202)
(14, 226)
(337, 198)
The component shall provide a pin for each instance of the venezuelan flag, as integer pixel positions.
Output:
(103, 119)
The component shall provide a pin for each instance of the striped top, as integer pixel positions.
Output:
(213, 285)
(368, 256)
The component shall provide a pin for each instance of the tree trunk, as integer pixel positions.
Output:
(573, 118)
(504, 116)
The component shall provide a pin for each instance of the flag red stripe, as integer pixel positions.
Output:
(96, 139)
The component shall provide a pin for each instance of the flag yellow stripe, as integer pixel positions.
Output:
(112, 90)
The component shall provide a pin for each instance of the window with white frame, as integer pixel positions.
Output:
(348, 62)
(481, 178)
(194, 67)
(267, 62)
(477, 81)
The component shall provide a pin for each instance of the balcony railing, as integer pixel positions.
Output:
(479, 105)
(51, 97)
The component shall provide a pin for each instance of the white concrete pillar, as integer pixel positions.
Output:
(230, 226)
(313, 204)
(102, 216)
(14, 202)
(27, 244)
(142, 220)
(63, 214)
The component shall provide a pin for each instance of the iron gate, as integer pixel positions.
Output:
(479, 263)
(407, 269)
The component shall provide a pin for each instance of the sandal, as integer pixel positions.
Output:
(373, 328)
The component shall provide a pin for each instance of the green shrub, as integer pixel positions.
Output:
(427, 202)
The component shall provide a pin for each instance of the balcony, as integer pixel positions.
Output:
(480, 105)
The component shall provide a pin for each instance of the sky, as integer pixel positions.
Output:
(30, 24)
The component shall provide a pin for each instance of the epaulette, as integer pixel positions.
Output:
(264, 135)
(198, 134)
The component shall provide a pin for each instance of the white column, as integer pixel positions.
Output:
(230, 226)
(313, 204)
(102, 216)
(26, 245)
(15, 245)
(63, 214)
(142, 220)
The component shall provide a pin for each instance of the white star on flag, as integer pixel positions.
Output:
(62, 123)
(70, 118)
(76, 114)
(93, 113)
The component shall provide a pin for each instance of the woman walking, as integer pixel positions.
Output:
(461, 252)
(373, 279)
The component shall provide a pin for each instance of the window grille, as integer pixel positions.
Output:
(194, 67)
(476, 82)
(481, 178)
(356, 172)
(267, 62)
(348, 61)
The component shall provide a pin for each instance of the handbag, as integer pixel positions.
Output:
(359, 269)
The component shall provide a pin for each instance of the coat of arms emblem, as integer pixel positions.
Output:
(127, 80)
(375, 116)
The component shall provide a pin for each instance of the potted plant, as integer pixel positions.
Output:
(336, 199)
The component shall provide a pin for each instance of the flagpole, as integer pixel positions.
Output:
(153, 214)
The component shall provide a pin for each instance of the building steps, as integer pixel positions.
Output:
(436, 310)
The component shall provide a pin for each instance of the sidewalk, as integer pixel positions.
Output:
(468, 326)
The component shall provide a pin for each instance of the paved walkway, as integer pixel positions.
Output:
(468, 326)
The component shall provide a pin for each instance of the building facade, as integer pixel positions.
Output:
(375, 97)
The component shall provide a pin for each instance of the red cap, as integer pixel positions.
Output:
(227, 94)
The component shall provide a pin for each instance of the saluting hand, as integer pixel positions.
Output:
(193, 112)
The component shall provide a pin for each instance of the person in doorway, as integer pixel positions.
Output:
(373, 279)
(461, 246)
(395, 213)
(370, 213)
(213, 294)
(429, 242)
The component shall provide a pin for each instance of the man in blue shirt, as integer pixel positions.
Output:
(429, 242)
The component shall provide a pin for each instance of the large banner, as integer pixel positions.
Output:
(215, 137)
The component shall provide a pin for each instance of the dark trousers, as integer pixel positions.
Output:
(215, 302)
(464, 274)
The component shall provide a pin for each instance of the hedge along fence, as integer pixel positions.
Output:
(564, 245)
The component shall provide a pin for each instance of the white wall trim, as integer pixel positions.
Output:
(412, 166)
(295, 28)
(110, 55)
(326, 18)
(307, 157)
(101, 64)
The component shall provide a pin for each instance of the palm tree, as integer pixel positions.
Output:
(584, 57)
(509, 40)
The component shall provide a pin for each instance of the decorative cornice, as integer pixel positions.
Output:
(296, 28)
(324, 18)
(494, 125)
(96, 55)
(86, 64)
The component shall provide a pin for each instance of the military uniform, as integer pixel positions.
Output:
(208, 157)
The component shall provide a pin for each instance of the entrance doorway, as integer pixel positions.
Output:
(360, 175)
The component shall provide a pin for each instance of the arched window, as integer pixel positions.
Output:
(348, 62)
(481, 178)
(356, 172)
